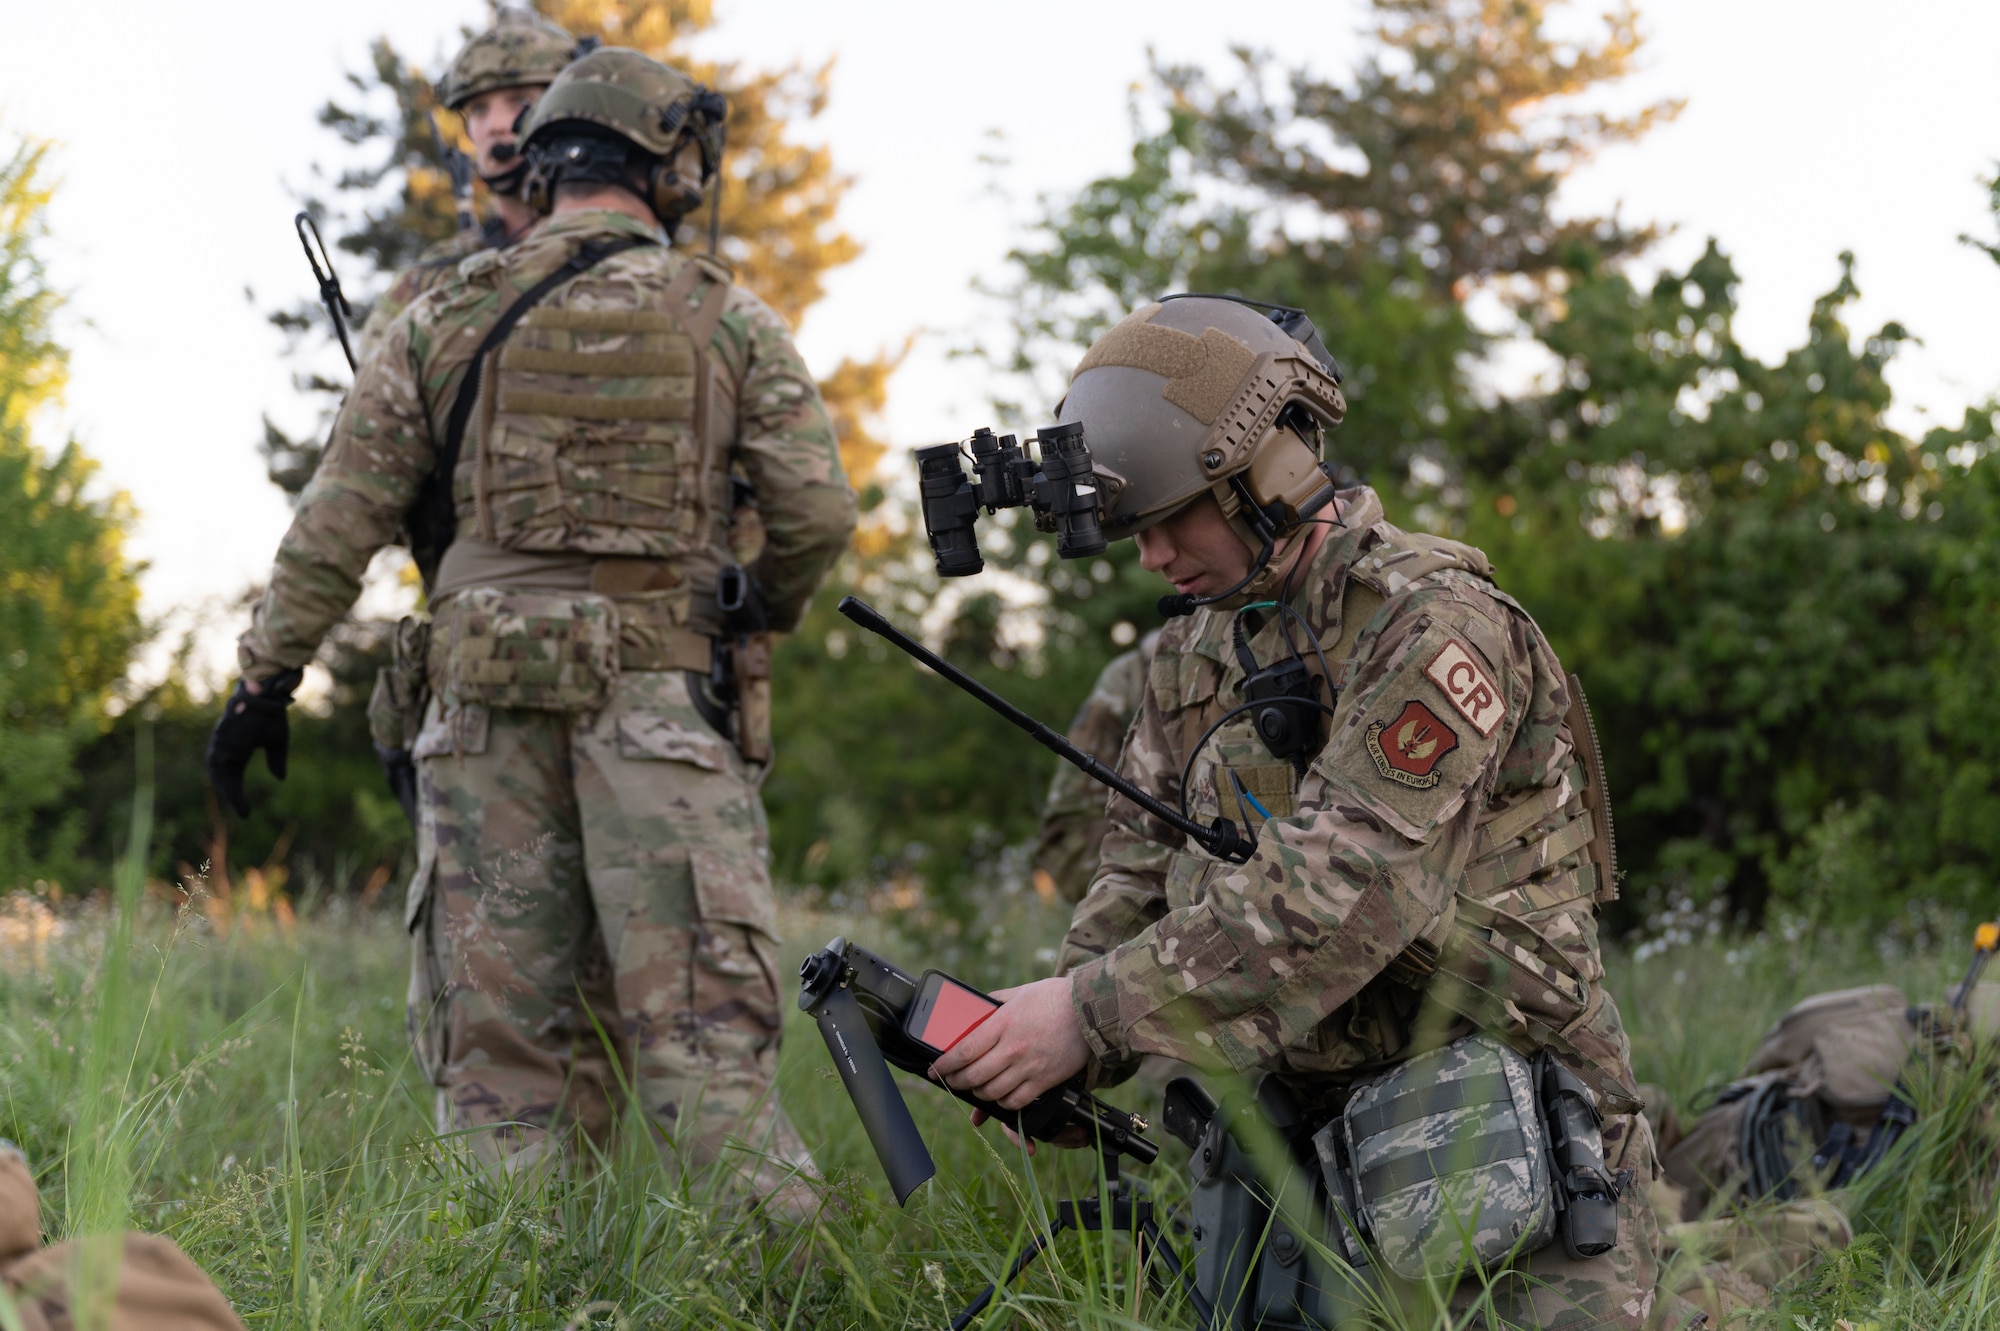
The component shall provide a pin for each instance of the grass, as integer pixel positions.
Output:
(247, 1091)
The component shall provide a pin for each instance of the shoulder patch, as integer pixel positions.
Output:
(1408, 748)
(1466, 686)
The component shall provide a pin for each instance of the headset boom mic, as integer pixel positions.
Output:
(872, 1088)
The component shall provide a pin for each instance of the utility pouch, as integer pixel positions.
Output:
(545, 651)
(1449, 1158)
(402, 688)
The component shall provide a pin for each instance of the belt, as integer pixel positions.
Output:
(643, 647)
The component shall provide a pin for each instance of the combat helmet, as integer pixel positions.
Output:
(1198, 394)
(520, 50)
(615, 102)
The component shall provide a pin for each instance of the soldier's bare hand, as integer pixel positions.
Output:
(1031, 1044)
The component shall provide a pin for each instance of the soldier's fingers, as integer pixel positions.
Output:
(974, 1044)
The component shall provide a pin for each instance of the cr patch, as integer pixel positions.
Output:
(1468, 687)
(1416, 742)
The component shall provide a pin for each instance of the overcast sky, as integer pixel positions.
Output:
(184, 131)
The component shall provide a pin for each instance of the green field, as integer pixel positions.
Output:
(247, 1090)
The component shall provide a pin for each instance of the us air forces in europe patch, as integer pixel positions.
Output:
(1416, 742)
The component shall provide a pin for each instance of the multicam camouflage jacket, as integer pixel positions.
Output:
(434, 266)
(570, 483)
(1074, 820)
(1435, 866)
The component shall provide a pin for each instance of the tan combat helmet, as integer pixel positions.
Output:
(1205, 394)
(614, 100)
(520, 50)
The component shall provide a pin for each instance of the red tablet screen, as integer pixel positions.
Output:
(956, 1011)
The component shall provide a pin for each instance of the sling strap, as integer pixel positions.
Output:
(433, 519)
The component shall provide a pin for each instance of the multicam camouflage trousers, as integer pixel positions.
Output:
(593, 895)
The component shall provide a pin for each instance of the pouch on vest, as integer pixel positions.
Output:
(546, 651)
(402, 688)
(1449, 1158)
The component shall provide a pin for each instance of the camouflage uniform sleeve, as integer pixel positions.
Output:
(380, 452)
(789, 454)
(1267, 950)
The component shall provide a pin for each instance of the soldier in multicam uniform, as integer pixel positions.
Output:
(1074, 821)
(1427, 865)
(493, 81)
(590, 755)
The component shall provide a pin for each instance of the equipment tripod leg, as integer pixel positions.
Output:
(1028, 1254)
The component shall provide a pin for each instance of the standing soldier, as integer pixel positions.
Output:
(1074, 821)
(562, 418)
(1428, 843)
(495, 79)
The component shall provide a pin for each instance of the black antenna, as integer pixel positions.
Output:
(1220, 839)
(330, 294)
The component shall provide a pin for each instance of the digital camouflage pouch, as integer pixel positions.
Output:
(514, 647)
(1446, 1160)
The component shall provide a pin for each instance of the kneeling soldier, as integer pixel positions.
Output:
(1410, 950)
(559, 421)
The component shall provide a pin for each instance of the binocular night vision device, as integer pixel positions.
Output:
(1061, 487)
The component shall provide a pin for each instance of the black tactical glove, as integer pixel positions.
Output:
(251, 722)
(400, 770)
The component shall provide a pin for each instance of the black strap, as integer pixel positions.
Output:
(434, 517)
(1485, 1088)
(1426, 1163)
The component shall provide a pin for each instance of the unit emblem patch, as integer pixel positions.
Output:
(1467, 686)
(1408, 749)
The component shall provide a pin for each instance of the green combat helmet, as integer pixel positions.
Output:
(618, 117)
(520, 50)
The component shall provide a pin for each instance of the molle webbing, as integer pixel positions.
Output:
(1486, 1088)
(1424, 1163)
(664, 359)
(600, 439)
(433, 519)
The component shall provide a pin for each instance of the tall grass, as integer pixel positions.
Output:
(247, 1091)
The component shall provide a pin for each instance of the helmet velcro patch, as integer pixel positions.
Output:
(1202, 373)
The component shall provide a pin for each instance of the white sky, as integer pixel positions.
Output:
(1811, 127)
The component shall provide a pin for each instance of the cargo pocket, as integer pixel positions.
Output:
(736, 947)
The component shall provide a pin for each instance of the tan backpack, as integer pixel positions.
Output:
(1821, 1089)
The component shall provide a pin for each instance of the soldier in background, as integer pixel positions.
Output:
(595, 851)
(494, 80)
(1074, 820)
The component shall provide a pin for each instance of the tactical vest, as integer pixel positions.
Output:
(1532, 855)
(606, 431)
(597, 486)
